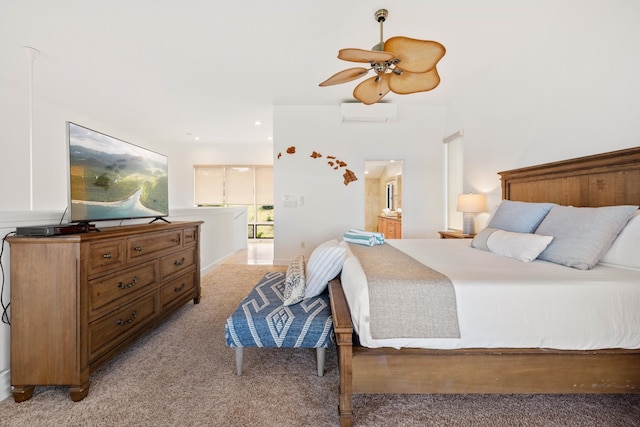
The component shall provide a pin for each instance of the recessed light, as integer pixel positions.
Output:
(197, 138)
(257, 123)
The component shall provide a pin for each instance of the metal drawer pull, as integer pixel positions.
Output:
(107, 255)
(126, 322)
(179, 289)
(129, 285)
(138, 248)
(178, 263)
(176, 240)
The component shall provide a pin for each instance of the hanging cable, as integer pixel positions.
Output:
(5, 307)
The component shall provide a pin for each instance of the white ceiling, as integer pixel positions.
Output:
(172, 70)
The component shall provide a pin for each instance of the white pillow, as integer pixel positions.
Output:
(524, 247)
(324, 264)
(294, 283)
(625, 250)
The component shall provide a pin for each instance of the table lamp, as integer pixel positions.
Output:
(469, 204)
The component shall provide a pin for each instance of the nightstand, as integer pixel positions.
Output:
(455, 234)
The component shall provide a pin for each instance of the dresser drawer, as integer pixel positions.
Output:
(110, 330)
(177, 263)
(109, 291)
(106, 255)
(190, 236)
(151, 243)
(178, 290)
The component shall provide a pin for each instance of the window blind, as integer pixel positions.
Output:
(239, 185)
(233, 185)
(209, 185)
(264, 185)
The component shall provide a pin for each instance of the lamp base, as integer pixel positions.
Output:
(468, 223)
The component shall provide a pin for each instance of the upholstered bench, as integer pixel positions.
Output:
(262, 320)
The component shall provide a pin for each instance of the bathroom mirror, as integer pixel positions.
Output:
(383, 191)
(389, 200)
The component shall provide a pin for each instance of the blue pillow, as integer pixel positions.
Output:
(581, 236)
(519, 217)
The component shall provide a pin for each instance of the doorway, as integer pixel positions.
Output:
(383, 192)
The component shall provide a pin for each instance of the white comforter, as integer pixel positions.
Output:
(503, 302)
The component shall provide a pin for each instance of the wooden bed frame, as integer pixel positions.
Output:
(611, 178)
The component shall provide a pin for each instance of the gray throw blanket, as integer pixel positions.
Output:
(407, 299)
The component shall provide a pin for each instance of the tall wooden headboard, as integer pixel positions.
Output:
(606, 179)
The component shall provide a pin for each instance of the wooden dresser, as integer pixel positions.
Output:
(78, 300)
(390, 227)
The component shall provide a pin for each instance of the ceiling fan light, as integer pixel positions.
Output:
(417, 60)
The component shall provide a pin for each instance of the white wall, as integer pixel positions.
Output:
(330, 207)
(50, 155)
(573, 93)
(224, 229)
(182, 157)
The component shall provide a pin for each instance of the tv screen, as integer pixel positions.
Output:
(110, 179)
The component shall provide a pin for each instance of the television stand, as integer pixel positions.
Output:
(91, 296)
(159, 218)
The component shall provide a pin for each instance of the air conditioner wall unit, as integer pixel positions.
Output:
(357, 112)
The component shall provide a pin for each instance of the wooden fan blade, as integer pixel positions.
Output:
(345, 76)
(371, 91)
(416, 56)
(362, 55)
(408, 82)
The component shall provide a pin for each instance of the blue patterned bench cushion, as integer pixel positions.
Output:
(261, 320)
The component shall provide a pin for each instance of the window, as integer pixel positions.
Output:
(239, 185)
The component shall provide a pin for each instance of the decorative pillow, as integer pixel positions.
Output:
(324, 264)
(582, 235)
(524, 247)
(625, 250)
(519, 217)
(294, 285)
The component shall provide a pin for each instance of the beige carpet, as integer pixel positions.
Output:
(182, 374)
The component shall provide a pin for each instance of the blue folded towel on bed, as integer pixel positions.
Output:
(361, 237)
(378, 236)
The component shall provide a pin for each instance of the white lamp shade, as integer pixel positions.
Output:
(472, 203)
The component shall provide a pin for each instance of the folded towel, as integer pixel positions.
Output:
(378, 236)
(360, 239)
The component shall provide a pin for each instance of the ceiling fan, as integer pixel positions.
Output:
(402, 65)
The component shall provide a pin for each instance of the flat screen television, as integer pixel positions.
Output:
(110, 179)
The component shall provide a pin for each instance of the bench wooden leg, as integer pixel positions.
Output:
(320, 352)
(239, 360)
